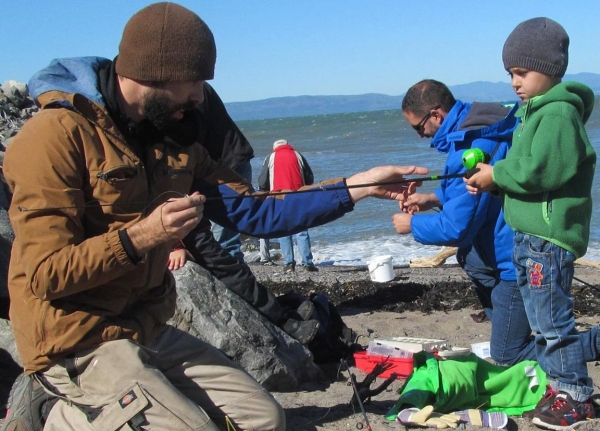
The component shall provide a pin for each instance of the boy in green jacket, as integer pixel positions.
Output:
(545, 183)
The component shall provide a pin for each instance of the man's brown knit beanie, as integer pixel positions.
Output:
(166, 42)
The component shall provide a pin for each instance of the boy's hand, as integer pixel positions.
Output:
(177, 259)
(481, 181)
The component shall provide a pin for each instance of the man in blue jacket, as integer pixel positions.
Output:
(474, 224)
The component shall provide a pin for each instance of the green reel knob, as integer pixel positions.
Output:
(473, 156)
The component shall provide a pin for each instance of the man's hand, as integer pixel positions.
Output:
(169, 222)
(481, 181)
(384, 174)
(419, 202)
(402, 223)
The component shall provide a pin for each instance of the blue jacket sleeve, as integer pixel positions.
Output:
(463, 215)
(459, 221)
(275, 216)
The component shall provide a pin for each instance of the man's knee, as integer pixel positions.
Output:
(278, 420)
(258, 411)
(136, 409)
(272, 416)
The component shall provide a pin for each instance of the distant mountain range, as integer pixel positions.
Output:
(297, 106)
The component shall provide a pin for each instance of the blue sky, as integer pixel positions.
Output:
(309, 47)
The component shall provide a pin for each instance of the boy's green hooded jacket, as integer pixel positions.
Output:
(546, 178)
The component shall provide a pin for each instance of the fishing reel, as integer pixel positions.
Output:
(472, 156)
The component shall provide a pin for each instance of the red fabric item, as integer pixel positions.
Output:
(287, 174)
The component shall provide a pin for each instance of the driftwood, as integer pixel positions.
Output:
(584, 262)
(433, 261)
(440, 258)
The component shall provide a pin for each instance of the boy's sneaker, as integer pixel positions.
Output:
(289, 267)
(564, 413)
(267, 263)
(543, 404)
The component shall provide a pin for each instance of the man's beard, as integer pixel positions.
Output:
(158, 110)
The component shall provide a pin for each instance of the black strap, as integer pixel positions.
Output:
(128, 246)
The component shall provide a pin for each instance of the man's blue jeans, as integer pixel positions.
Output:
(545, 274)
(511, 336)
(228, 238)
(303, 242)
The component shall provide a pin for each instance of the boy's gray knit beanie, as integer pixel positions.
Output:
(538, 44)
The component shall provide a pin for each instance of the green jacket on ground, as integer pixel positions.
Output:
(469, 382)
(546, 178)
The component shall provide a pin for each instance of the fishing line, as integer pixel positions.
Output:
(95, 204)
(321, 188)
(586, 284)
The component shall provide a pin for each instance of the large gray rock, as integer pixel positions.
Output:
(210, 311)
(7, 341)
(6, 238)
(16, 107)
(10, 367)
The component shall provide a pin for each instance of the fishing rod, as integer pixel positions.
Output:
(470, 159)
(360, 403)
(268, 194)
(586, 284)
(355, 186)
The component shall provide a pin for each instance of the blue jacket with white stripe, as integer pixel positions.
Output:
(467, 219)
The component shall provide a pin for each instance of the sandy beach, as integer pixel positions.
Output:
(420, 302)
(425, 303)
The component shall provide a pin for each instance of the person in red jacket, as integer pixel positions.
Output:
(287, 169)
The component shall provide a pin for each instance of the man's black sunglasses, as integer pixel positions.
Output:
(420, 127)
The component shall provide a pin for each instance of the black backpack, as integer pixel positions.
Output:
(335, 340)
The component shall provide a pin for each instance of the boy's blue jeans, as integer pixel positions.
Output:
(511, 338)
(545, 274)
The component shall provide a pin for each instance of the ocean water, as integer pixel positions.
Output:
(343, 144)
